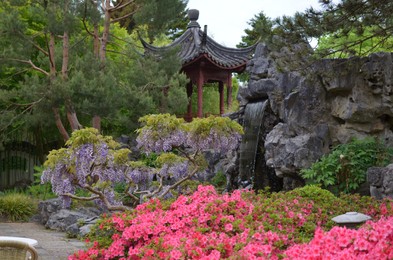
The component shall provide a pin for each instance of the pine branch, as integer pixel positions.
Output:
(121, 5)
(358, 42)
(84, 21)
(114, 20)
(29, 62)
(30, 106)
(34, 44)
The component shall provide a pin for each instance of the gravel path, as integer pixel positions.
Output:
(52, 245)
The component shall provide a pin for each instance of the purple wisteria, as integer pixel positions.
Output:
(141, 176)
(151, 141)
(216, 133)
(85, 166)
(176, 171)
(215, 140)
(95, 163)
(161, 133)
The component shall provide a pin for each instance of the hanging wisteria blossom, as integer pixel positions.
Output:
(161, 133)
(96, 164)
(219, 134)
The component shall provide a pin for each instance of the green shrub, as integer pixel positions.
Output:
(38, 190)
(219, 181)
(317, 205)
(345, 167)
(17, 206)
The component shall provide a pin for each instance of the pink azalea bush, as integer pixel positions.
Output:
(241, 225)
(374, 240)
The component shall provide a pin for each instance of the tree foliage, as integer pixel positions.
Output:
(336, 46)
(261, 30)
(70, 63)
(364, 19)
(172, 22)
(340, 28)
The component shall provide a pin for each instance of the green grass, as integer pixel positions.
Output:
(16, 206)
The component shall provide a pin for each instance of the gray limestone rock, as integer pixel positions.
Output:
(381, 181)
(375, 176)
(330, 103)
(288, 152)
(47, 208)
(64, 218)
(82, 228)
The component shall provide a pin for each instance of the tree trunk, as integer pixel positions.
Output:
(96, 42)
(52, 64)
(97, 123)
(73, 119)
(102, 54)
(105, 33)
(52, 77)
(64, 67)
(59, 124)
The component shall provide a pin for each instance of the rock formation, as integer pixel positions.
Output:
(318, 107)
(381, 181)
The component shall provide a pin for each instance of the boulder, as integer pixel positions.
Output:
(288, 152)
(47, 208)
(76, 223)
(81, 228)
(381, 181)
(64, 218)
(327, 104)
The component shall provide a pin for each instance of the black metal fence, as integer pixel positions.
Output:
(17, 161)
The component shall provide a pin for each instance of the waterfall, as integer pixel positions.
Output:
(253, 116)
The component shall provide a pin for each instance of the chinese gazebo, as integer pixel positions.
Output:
(205, 61)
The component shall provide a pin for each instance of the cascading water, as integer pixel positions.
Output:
(253, 116)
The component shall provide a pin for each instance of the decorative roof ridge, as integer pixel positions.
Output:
(176, 42)
(231, 49)
(196, 36)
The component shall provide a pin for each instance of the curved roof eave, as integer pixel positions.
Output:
(174, 44)
(192, 48)
(246, 50)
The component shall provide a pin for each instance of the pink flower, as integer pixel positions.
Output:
(257, 236)
(149, 252)
(175, 254)
(201, 226)
(228, 227)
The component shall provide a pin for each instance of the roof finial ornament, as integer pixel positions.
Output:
(193, 15)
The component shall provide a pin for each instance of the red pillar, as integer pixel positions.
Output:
(189, 106)
(200, 94)
(221, 91)
(229, 91)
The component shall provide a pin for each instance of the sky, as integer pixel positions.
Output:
(226, 20)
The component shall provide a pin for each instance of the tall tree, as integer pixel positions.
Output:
(172, 22)
(352, 44)
(261, 30)
(346, 27)
(73, 64)
(343, 20)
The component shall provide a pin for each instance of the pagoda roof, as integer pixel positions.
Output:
(194, 44)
